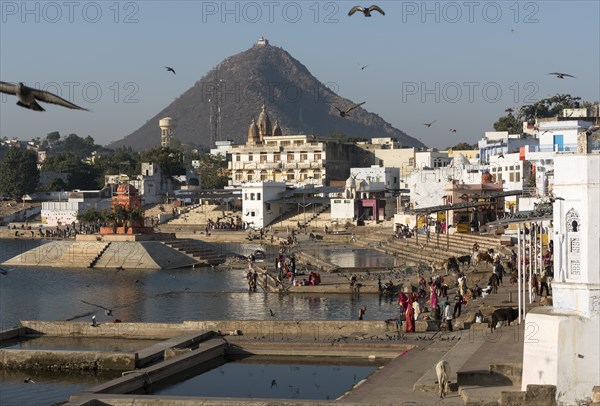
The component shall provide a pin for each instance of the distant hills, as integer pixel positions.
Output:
(237, 88)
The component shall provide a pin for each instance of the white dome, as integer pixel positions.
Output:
(460, 161)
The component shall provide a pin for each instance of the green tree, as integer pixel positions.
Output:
(81, 174)
(53, 138)
(19, 174)
(213, 171)
(462, 146)
(169, 160)
(55, 184)
(89, 216)
(509, 123)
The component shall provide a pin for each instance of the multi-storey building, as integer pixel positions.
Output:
(269, 155)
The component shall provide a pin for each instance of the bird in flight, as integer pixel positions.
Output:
(363, 67)
(29, 97)
(453, 130)
(429, 124)
(273, 383)
(344, 113)
(107, 311)
(5, 271)
(28, 380)
(271, 313)
(561, 75)
(366, 11)
(169, 69)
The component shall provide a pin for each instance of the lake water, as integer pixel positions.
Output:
(151, 296)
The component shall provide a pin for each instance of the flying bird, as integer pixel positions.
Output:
(273, 383)
(107, 311)
(271, 313)
(344, 113)
(5, 271)
(169, 69)
(429, 124)
(28, 380)
(29, 97)
(366, 11)
(561, 75)
(452, 130)
(363, 67)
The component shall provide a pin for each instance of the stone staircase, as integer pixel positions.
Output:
(483, 366)
(201, 252)
(81, 254)
(95, 260)
(420, 250)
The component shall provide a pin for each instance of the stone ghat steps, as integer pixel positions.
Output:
(202, 253)
(65, 254)
(483, 365)
(423, 252)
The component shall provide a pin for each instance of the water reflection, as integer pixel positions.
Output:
(256, 379)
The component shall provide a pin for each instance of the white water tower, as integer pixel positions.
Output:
(167, 129)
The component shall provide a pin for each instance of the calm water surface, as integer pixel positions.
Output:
(155, 296)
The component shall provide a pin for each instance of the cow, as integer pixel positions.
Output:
(494, 282)
(442, 369)
(435, 265)
(504, 314)
(464, 260)
(483, 256)
(452, 264)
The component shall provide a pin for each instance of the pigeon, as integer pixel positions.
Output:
(429, 124)
(28, 97)
(271, 313)
(273, 383)
(108, 312)
(94, 324)
(561, 75)
(452, 130)
(5, 271)
(169, 69)
(344, 113)
(366, 11)
(28, 380)
(363, 67)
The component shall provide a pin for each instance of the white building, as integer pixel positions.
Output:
(222, 148)
(500, 142)
(260, 203)
(512, 172)
(384, 178)
(64, 213)
(560, 136)
(432, 159)
(563, 348)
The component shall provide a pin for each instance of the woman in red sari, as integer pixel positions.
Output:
(403, 300)
(410, 319)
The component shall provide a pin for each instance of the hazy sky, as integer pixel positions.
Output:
(460, 63)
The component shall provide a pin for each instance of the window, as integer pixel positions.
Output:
(268, 206)
(263, 157)
(251, 196)
(245, 196)
(238, 158)
(317, 157)
(238, 176)
(290, 156)
(258, 196)
(250, 157)
(277, 157)
(303, 156)
(250, 176)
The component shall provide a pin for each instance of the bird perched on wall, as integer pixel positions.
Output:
(344, 113)
(169, 69)
(560, 75)
(29, 97)
(365, 10)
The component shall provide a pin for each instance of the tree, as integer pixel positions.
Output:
(169, 160)
(53, 138)
(213, 171)
(462, 146)
(509, 123)
(19, 174)
(89, 216)
(82, 175)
